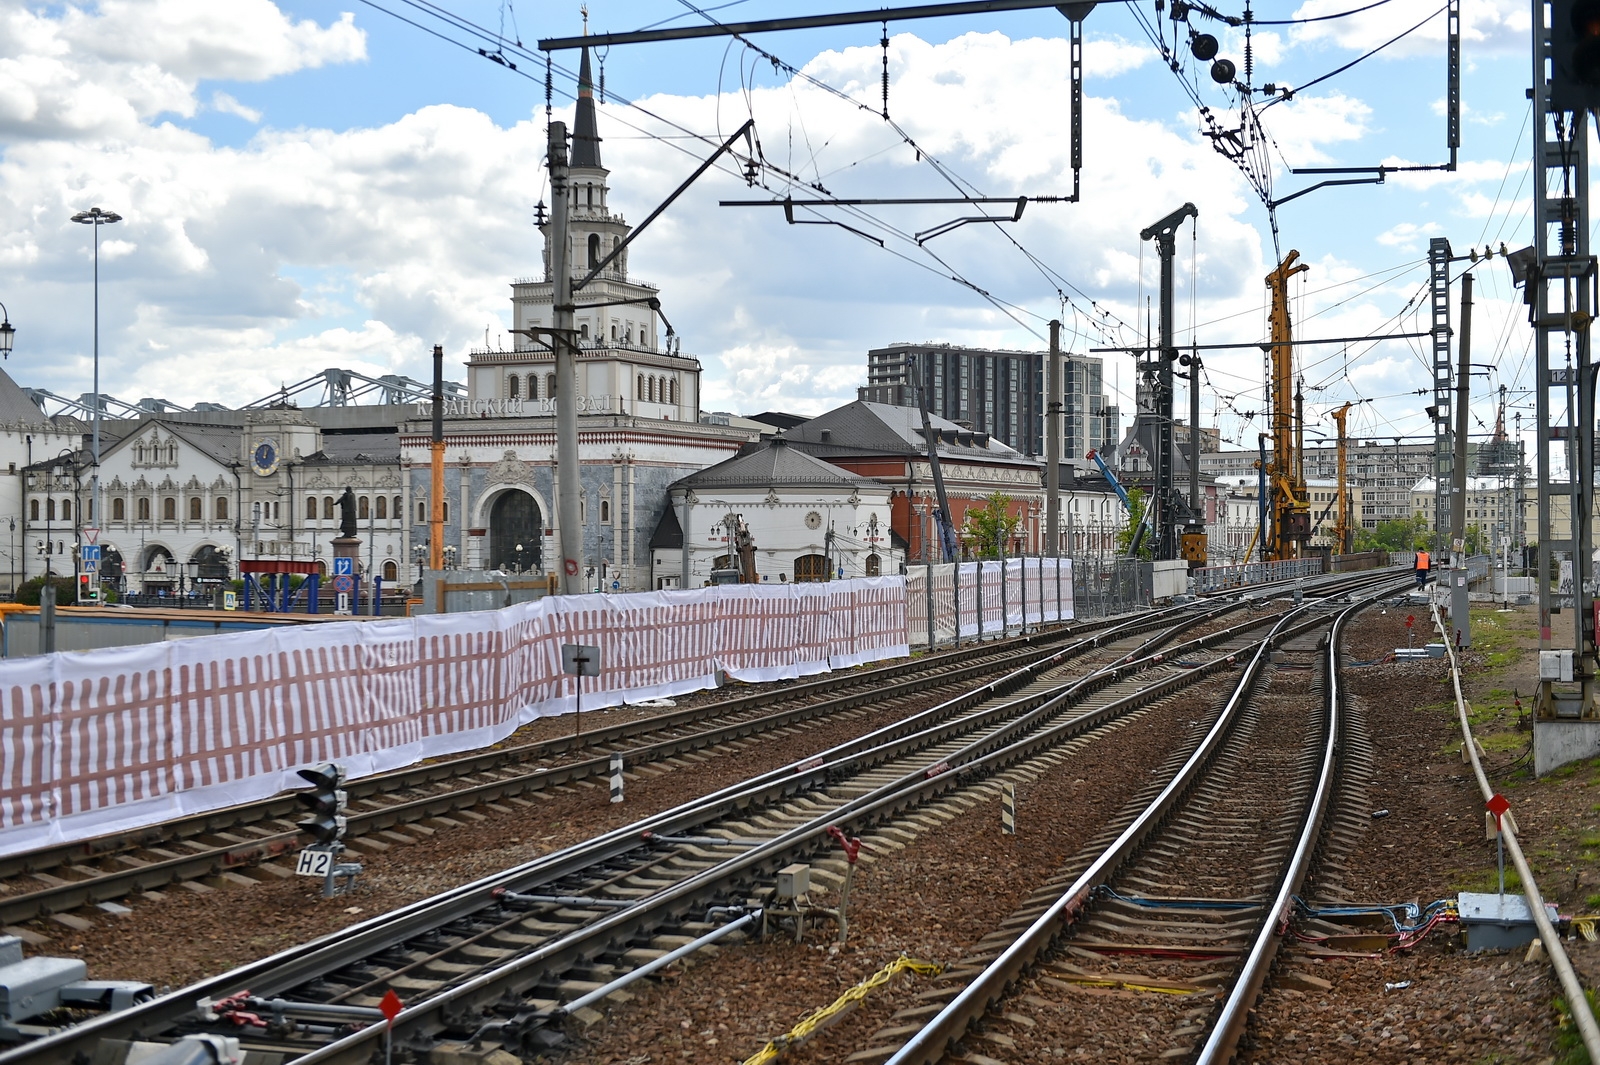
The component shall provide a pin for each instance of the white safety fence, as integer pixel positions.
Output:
(108, 740)
(1011, 592)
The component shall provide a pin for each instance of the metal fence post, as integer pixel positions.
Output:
(955, 595)
(978, 567)
(1024, 561)
(928, 573)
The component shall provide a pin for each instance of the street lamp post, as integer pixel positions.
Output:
(7, 331)
(94, 216)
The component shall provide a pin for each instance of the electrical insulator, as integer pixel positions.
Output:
(1223, 71)
(1204, 47)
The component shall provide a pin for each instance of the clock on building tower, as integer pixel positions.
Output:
(264, 460)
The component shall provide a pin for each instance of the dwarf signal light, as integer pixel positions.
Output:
(326, 800)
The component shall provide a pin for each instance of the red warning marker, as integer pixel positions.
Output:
(1411, 619)
(1498, 805)
(391, 1006)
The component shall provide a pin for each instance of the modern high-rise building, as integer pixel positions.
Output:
(996, 392)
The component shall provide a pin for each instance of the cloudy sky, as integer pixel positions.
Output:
(313, 184)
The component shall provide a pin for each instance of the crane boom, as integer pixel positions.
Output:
(1291, 515)
(1341, 524)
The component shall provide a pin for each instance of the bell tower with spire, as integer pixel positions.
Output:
(625, 364)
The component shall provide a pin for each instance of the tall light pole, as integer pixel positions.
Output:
(94, 216)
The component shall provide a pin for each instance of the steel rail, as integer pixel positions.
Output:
(296, 965)
(1229, 1026)
(932, 1041)
(300, 964)
(915, 788)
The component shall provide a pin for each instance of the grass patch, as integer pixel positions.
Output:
(1569, 1043)
(1501, 742)
(1493, 640)
(1593, 902)
(1487, 882)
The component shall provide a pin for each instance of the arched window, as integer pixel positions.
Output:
(327, 508)
(589, 193)
(169, 509)
(811, 568)
(382, 503)
(139, 451)
(533, 386)
(874, 565)
(66, 510)
(144, 510)
(195, 511)
(513, 387)
(672, 391)
(652, 390)
(447, 510)
(641, 386)
(550, 386)
(605, 512)
(391, 572)
(363, 511)
(172, 452)
(222, 508)
(119, 510)
(33, 510)
(583, 331)
(422, 512)
(594, 244)
(399, 513)
(50, 510)
(311, 508)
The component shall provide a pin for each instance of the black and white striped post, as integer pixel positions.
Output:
(1008, 809)
(616, 777)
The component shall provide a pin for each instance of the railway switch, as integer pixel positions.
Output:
(31, 987)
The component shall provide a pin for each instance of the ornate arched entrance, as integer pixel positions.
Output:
(516, 530)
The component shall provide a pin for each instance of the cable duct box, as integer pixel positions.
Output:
(794, 881)
(1555, 665)
(1498, 922)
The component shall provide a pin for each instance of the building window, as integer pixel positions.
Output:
(811, 568)
(399, 511)
(605, 512)
(195, 513)
(594, 244)
(513, 387)
(311, 508)
(66, 510)
(144, 510)
(222, 508)
(652, 390)
(327, 507)
(874, 565)
(550, 386)
(446, 509)
(422, 512)
(50, 510)
(119, 510)
(169, 509)
(641, 386)
(363, 511)
(33, 509)
(382, 504)
(391, 572)
(533, 386)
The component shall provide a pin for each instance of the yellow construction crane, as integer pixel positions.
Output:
(1291, 513)
(1341, 524)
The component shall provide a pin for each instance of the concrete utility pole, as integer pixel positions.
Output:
(564, 340)
(1052, 442)
(436, 470)
(1460, 620)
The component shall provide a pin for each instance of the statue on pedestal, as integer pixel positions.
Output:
(347, 514)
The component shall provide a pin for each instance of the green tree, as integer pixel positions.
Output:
(1396, 534)
(1136, 506)
(990, 528)
(66, 590)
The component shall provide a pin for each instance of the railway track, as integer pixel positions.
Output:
(256, 838)
(1182, 901)
(502, 959)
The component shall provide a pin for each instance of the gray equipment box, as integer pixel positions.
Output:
(1498, 922)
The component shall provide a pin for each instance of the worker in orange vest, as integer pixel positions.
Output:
(1422, 568)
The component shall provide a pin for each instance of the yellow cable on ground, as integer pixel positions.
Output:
(1585, 926)
(841, 1005)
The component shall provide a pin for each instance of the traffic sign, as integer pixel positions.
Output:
(91, 534)
(90, 553)
(343, 583)
(344, 567)
(1498, 805)
(1411, 619)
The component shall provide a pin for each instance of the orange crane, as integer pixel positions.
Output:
(1291, 513)
(1341, 524)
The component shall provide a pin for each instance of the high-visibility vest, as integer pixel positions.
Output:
(1422, 560)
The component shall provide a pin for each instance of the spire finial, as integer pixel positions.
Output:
(584, 10)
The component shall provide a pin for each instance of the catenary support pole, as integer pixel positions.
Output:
(564, 340)
(436, 471)
(1460, 607)
(1052, 443)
